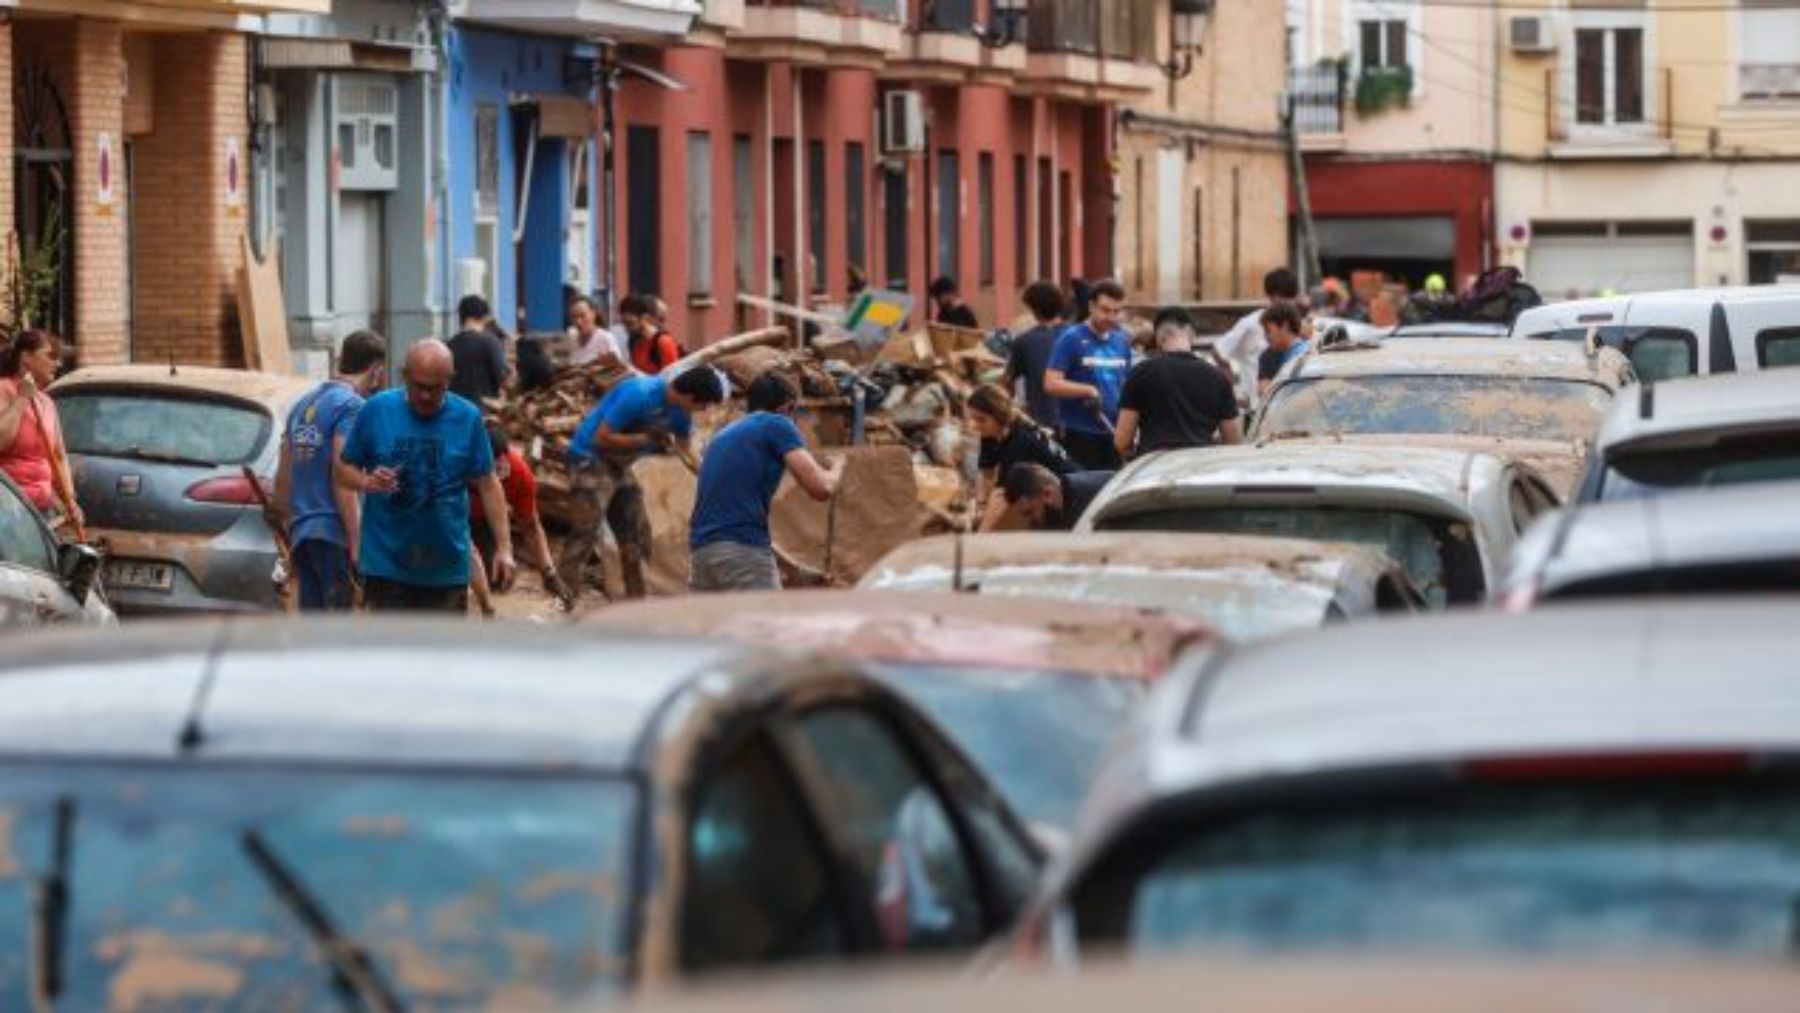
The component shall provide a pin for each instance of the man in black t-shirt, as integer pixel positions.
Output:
(1176, 399)
(478, 356)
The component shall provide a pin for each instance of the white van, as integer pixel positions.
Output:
(1685, 332)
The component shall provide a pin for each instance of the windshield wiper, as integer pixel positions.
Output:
(353, 974)
(50, 911)
(163, 457)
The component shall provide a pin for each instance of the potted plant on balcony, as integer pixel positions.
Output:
(1379, 88)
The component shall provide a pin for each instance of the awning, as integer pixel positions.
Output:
(342, 54)
(560, 115)
(1426, 237)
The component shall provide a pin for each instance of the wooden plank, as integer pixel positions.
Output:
(262, 313)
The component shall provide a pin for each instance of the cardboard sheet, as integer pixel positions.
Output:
(877, 509)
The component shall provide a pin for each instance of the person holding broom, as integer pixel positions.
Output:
(32, 452)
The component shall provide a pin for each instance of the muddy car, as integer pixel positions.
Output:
(1448, 518)
(1594, 782)
(1538, 403)
(382, 814)
(159, 457)
(44, 582)
(1244, 586)
(1033, 690)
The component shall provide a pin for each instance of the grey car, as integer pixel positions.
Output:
(159, 456)
(43, 582)
(1616, 780)
(264, 814)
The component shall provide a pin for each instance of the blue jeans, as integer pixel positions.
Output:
(323, 569)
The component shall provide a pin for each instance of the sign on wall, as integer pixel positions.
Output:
(105, 170)
(234, 177)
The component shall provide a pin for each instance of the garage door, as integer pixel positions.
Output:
(1565, 266)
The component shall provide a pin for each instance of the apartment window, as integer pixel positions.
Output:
(487, 196)
(1021, 229)
(1609, 76)
(856, 189)
(815, 215)
(984, 199)
(1769, 50)
(1383, 43)
(700, 213)
(897, 250)
(643, 194)
(743, 212)
(949, 213)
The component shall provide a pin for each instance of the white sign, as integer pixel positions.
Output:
(105, 172)
(234, 174)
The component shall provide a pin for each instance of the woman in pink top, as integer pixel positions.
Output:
(31, 445)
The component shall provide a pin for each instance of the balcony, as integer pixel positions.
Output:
(1091, 49)
(624, 19)
(1318, 95)
(820, 32)
(1769, 82)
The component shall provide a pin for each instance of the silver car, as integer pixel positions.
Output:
(159, 455)
(1244, 586)
(43, 581)
(1697, 431)
(1737, 540)
(1611, 781)
(1448, 517)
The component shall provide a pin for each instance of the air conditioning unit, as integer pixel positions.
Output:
(366, 132)
(902, 123)
(1530, 35)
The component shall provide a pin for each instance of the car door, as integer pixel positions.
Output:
(30, 592)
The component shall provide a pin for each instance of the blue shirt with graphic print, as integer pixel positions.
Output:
(313, 426)
(1103, 360)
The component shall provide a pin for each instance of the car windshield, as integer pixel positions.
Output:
(1507, 407)
(1562, 869)
(157, 426)
(1039, 735)
(187, 886)
(1439, 556)
(1638, 473)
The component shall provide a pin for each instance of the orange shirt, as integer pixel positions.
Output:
(653, 355)
(27, 461)
(520, 486)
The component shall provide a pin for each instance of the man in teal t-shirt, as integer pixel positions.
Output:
(413, 454)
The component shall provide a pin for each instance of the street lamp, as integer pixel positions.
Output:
(1187, 32)
(1008, 15)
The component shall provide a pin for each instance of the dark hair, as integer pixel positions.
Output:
(942, 286)
(1044, 300)
(1286, 314)
(22, 344)
(635, 303)
(771, 391)
(1172, 315)
(1107, 288)
(700, 383)
(1026, 480)
(1281, 284)
(990, 400)
(361, 350)
(497, 440)
(584, 300)
(473, 307)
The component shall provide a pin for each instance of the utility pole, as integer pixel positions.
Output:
(1307, 257)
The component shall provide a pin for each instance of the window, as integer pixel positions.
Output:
(949, 214)
(1778, 347)
(1021, 232)
(896, 252)
(743, 212)
(757, 891)
(1768, 50)
(815, 216)
(1609, 76)
(21, 538)
(643, 185)
(856, 189)
(700, 213)
(1383, 44)
(897, 831)
(154, 426)
(1656, 353)
(487, 196)
(984, 200)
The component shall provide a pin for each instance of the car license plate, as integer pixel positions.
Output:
(141, 576)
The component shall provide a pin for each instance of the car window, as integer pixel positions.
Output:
(22, 541)
(1778, 346)
(1666, 867)
(1656, 353)
(1509, 407)
(1639, 472)
(1527, 500)
(898, 832)
(757, 890)
(155, 425)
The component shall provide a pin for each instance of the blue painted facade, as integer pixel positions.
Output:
(500, 71)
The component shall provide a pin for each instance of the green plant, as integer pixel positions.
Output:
(31, 279)
(1379, 88)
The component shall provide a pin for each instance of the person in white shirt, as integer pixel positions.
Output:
(594, 344)
(1241, 346)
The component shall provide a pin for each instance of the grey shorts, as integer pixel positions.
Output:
(728, 566)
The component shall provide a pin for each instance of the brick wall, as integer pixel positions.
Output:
(187, 240)
(94, 87)
(6, 136)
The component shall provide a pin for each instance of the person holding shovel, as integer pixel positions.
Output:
(1086, 375)
(31, 442)
(729, 532)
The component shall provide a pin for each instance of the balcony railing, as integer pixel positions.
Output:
(1318, 94)
(948, 16)
(1117, 29)
(886, 9)
(1763, 81)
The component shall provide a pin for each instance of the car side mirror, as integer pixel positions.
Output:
(78, 565)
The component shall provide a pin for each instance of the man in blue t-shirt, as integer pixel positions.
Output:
(413, 454)
(641, 415)
(1086, 374)
(1284, 325)
(323, 519)
(729, 534)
